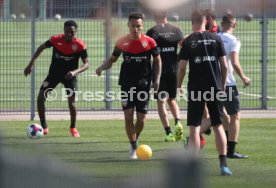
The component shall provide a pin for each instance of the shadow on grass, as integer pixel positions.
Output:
(111, 160)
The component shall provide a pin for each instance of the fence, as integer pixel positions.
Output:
(26, 24)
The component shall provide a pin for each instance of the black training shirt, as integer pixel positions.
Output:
(203, 50)
(167, 37)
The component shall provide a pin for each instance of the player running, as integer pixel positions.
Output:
(135, 76)
(167, 37)
(207, 73)
(64, 68)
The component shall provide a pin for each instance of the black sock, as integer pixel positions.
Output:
(134, 145)
(231, 147)
(222, 160)
(43, 123)
(73, 125)
(226, 133)
(176, 120)
(168, 130)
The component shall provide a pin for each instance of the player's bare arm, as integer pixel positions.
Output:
(82, 68)
(223, 65)
(180, 43)
(181, 73)
(157, 68)
(106, 65)
(29, 67)
(234, 57)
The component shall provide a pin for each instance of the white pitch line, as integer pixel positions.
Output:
(255, 95)
(16, 99)
(242, 93)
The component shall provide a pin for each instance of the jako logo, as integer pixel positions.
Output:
(205, 58)
(209, 58)
(168, 49)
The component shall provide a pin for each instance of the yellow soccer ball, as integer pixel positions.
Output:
(144, 152)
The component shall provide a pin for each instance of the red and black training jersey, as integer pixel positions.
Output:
(65, 55)
(136, 67)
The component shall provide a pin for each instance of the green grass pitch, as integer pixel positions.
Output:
(102, 150)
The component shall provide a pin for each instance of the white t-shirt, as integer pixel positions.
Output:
(231, 44)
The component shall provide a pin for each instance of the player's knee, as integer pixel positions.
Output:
(161, 104)
(171, 101)
(141, 120)
(235, 116)
(129, 119)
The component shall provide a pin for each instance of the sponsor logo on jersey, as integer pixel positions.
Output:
(66, 58)
(57, 55)
(127, 59)
(155, 36)
(207, 42)
(74, 47)
(45, 84)
(225, 41)
(197, 60)
(145, 44)
(209, 58)
(60, 44)
(167, 35)
(193, 44)
(158, 49)
(168, 49)
(204, 58)
(126, 44)
(138, 58)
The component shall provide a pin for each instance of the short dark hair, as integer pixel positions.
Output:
(136, 15)
(228, 19)
(160, 14)
(70, 23)
(198, 16)
(210, 13)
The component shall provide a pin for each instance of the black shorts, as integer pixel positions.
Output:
(167, 87)
(232, 104)
(196, 108)
(52, 81)
(132, 97)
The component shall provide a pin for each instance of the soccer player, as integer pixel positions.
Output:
(207, 74)
(232, 105)
(212, 25)
(167, 37)
(135, 76)
(64, 68)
